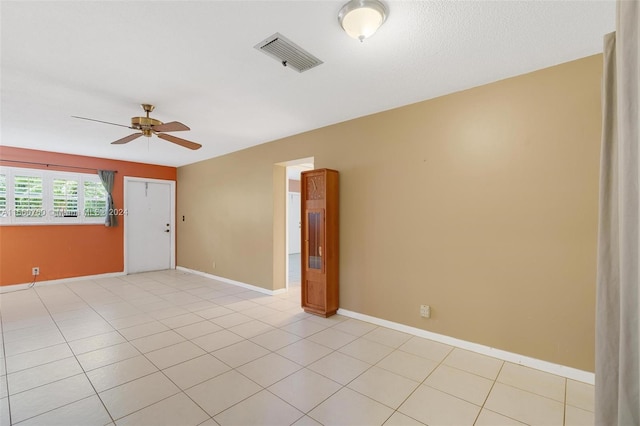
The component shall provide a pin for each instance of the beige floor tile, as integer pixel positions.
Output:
(347, 407)
(116, 374)
(489, 418)
(303, 328)
(275, 339)
(332, 338)
(251, 329)
(399, 419)
(131, 321)
(339, 367)
(262, 408)
(195, 371)
(172, 355)
(260, 312)
(242, 305)
(305, 389)
(231, 320)
(467, 386)
(366, 350)
(217, 340)
(240, 353)
(282, 319)
(157, 341)
(168, 312)
(4, 391)
(175, 410)
(426, 348)
(33, 343)
(388, 337)
(218, 311)
(328, 321)
(355, 327)
(30, 332)
(269, 369)
(431, 406)
(384, 386)
(221, 392)
(411, 366)
(42, 374)
(306, 421)
(96, 342)
(578, 417)
(5, 419)
(524, 406)
(106, 356)
(181, 320)
(143, 330)
(209, 422)
(198, 329)
(86, 412)
(130, 397)
(536, 381)
(580, 395)
(475, 363)
(49, 397)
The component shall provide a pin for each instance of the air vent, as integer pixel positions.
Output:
(288, 53)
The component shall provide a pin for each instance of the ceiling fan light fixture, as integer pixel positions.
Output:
(360, 19)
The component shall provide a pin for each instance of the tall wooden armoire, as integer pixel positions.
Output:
(319, 203)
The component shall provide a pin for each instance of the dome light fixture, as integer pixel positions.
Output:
(360, 19)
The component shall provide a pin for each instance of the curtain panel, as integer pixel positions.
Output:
(107, 177)
(618, 281)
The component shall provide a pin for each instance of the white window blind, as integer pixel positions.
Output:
(65, 198)
(95, 199)
(30, 196)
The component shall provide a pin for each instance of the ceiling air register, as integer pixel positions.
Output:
(288, 53)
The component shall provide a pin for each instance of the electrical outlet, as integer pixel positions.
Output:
(35, 271)
(425, 311)
(213, 265)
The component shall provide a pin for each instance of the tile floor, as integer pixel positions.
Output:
(170, 348)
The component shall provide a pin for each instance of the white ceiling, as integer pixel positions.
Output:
(195, 61)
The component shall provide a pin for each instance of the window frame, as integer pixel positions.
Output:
(48, 177)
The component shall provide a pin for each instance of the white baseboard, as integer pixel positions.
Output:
(233, 282)
(16, 287)
(549, 367)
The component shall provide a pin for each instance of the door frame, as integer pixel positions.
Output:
(172, 217)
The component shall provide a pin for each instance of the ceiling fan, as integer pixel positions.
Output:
(148, 126)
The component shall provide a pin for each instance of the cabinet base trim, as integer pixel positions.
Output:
(538, 364)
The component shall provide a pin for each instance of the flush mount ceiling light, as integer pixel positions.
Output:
(362, 18)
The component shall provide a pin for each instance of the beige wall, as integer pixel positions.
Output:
(481, 204)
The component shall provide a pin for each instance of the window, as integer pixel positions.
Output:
(65, 198)
(28, 202)
(29, 196)
(3, 195)
(95, 199)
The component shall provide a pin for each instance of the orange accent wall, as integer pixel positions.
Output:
(65, 251)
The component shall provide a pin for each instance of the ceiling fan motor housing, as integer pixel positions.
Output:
(145, 124)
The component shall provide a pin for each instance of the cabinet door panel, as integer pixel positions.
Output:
(315, 294)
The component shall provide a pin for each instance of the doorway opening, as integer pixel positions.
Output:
(293, 233)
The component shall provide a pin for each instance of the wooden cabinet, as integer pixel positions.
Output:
(319, 203)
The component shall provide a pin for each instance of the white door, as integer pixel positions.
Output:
(149, 232)
(294, 222)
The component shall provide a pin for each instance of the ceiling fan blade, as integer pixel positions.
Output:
(127, 139)
(100, 121)
(173, 126)
(179, 141)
